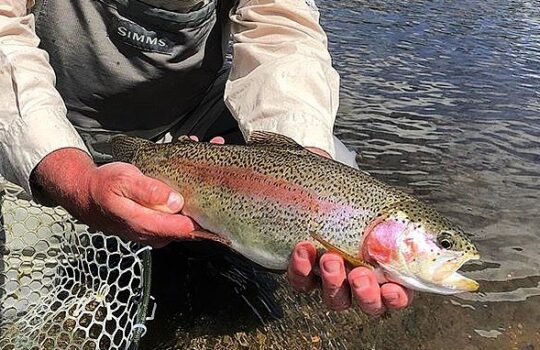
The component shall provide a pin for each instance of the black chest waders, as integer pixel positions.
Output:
(123, 66)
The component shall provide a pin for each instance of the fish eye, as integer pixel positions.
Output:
(445, 241)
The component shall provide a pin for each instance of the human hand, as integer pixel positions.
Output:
(115, 198)
(338, 286)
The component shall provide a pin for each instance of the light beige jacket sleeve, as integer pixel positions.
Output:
(33, 119)
(282, 78)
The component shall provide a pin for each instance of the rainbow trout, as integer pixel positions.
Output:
(263, 198)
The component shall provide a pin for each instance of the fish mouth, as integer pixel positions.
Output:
(451, 278)
(462, 283)
(444, 279)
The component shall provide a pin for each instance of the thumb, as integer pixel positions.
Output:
(153, 194)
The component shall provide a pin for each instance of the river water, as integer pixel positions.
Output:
(441, 99)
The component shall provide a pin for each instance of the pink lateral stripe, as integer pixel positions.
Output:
(260, 186)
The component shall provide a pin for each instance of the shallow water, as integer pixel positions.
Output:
(443, 100)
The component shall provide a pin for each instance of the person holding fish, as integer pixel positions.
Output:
(157, 69)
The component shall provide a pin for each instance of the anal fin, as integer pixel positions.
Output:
(203, 234)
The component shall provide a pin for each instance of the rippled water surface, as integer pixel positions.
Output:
(441, 99)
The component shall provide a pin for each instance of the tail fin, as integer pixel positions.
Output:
(125, 147)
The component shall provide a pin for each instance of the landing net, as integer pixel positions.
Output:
(63, 286)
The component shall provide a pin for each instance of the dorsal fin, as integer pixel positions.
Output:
(183, 138)
(124, 147)
(270, 138)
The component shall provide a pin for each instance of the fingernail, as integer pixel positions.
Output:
(361, 282)
(332, 266)
(302, 253)
(391, 297)
(175, 201)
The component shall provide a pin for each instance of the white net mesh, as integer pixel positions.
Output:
(63, 286)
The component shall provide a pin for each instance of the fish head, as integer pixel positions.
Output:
(417, 247)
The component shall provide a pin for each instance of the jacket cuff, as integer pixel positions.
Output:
(31, 138)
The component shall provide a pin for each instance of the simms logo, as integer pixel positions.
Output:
(137, 36)
(125, 32)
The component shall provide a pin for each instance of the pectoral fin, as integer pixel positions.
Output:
(354, 261)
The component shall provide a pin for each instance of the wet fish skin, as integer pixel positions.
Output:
(267, 196)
